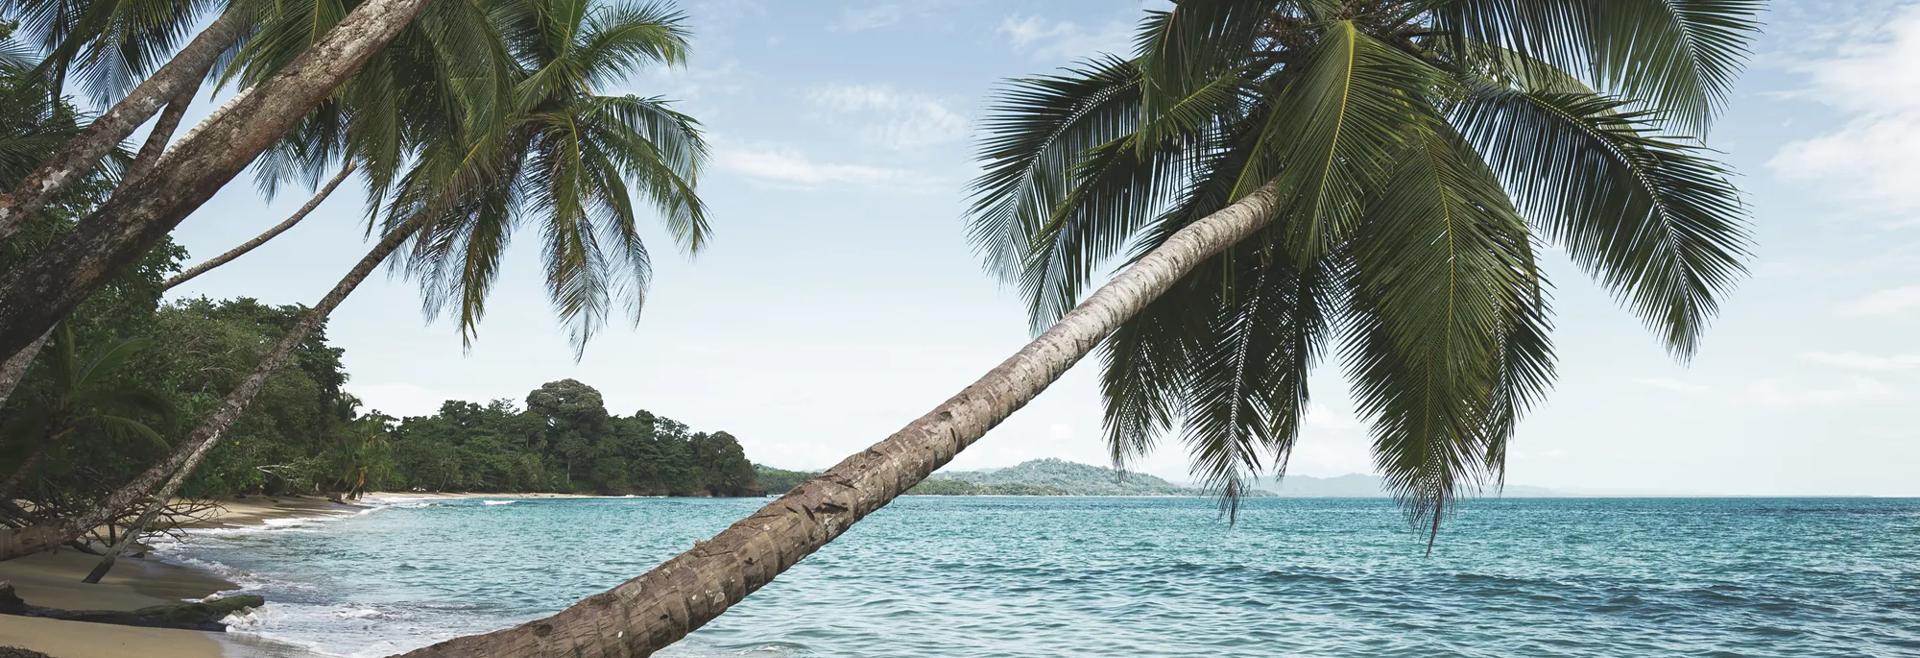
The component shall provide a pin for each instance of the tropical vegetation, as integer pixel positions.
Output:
(1281, 176)
(1275, 178)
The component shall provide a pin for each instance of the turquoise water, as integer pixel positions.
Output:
(987, 577)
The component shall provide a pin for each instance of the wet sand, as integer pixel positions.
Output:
(53, 580)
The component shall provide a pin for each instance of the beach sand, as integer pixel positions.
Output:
(53, 580)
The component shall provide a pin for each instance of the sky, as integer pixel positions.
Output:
(840, 299)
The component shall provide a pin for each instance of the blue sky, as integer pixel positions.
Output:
(840, 299)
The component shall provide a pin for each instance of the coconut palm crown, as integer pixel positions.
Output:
(566, 156)
(1424, 151)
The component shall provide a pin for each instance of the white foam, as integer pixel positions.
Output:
(498, 502)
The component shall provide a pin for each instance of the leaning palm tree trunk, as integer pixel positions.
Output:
(661, 606)
(269, 234)
(158, 484)
(46, 288)
(181, 74)
(14, 368)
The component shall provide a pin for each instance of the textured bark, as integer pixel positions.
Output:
(661, 606)
(38, 293)
(270, 233)
(15, 367)
(162, 133)
(184, 72)
(162, 481)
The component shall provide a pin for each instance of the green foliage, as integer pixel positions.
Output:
(212, 346)
(1420, 153)
(563, 441)
(964, 488)
(778, 481)
(1055, 477)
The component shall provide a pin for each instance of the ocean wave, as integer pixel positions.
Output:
(498, 502)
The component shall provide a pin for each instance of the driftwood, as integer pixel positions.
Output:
(196, 616)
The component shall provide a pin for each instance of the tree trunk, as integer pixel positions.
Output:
(14, 369)
(159, 483)
(184, 72)
(162, 133)
(661, 606)
(270, 234)
(38, 293)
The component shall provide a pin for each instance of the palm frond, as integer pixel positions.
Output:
(1195, 45)
(1430, 285)
(1038, 132)
(1679, 57)
(1247, 386)
(1332, 133)
(1657, 221)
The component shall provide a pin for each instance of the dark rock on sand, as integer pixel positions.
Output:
(197, 615)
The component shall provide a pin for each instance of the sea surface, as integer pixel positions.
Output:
(999, 576)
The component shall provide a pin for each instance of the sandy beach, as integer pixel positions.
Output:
(53, 580)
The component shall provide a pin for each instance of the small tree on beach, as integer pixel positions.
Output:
(1279, 175)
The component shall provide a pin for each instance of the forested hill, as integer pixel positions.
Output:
(1052, 477)
(562, 440)
(1039, 477)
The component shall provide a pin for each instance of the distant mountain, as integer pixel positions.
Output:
(1355, 485)
(1050, 477)
(1058, 477)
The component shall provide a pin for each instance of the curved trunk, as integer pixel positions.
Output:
(181, 74)
(162, 481)
(39, 292)
(156, 142)
(661, 606)
(261, 239)
(15, 367)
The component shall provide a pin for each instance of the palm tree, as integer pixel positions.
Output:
(565, 154)
(112, 43)
(36, 295)
(360, 127)
(1292, 170)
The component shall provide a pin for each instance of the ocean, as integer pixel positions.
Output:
(1002, 576)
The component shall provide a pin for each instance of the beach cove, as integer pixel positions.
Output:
(52, 580)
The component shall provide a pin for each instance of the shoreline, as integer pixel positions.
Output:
(52, 579)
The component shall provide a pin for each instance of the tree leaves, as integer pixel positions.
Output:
(1421, 149)
(1651, 216)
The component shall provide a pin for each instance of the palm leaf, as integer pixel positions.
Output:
(1652, 217)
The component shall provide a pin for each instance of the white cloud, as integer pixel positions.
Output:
(869, 18)
(1883, 302)
(1676, 386)
(1775, 392)
(1058, 39)
(685, 83)
(788, 167)
(1876, 88)
(1860, 361)
(892, 118)
(1854, 390)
